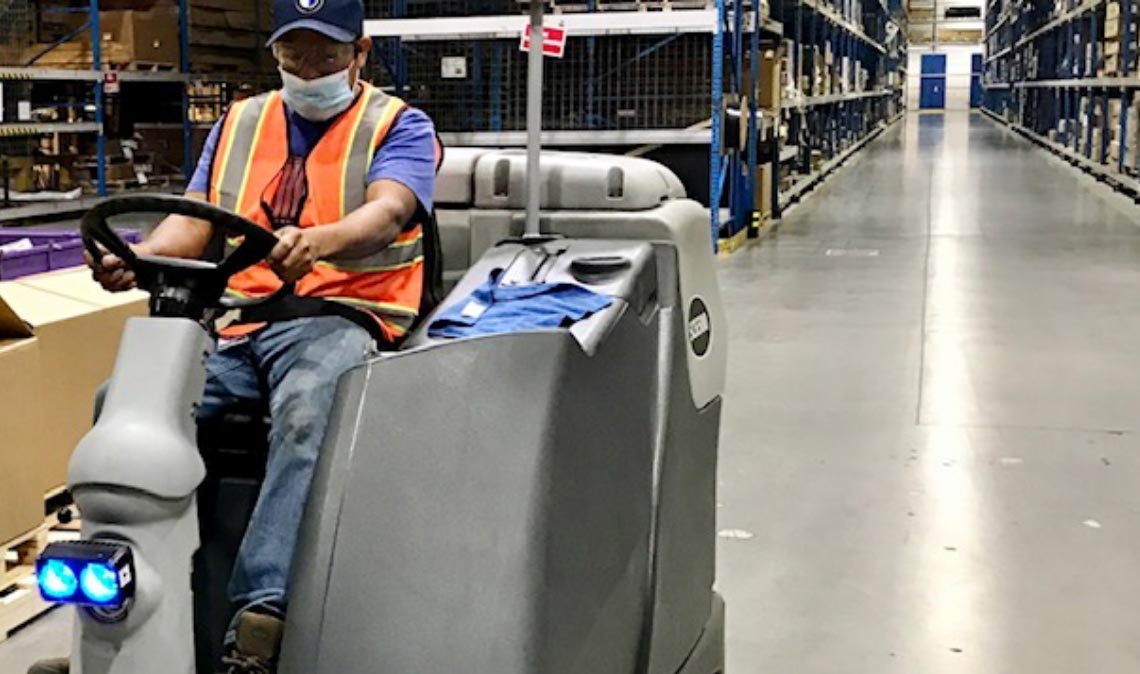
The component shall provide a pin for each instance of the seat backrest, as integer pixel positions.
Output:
(455, 186)
(434, 291)
(575, 181)
(454, 199)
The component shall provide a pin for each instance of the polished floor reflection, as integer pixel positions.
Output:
(929, 461)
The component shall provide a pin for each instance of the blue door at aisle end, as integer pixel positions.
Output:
(932, 94)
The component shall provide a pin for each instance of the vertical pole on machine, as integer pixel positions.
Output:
(534, 120)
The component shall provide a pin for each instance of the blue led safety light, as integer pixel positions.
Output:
(96, 574)
(57, 581)
(100, 583)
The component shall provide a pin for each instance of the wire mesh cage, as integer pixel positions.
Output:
(424, 9)
(17, 27)
(629, 82)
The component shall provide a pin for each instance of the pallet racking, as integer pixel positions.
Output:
(1064, 75)
(177, 85)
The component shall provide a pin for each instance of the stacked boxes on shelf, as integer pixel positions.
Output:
(225, 35)
(1087, 114)
(1131, 131)
(1113, 36)
(769, 98)
(822, 74)
(144, 34)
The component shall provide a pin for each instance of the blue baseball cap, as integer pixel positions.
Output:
(340, 20)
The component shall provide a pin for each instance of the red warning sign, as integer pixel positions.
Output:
(553, 41)
(111, 82)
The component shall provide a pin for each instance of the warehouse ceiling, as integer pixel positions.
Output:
(946, 21)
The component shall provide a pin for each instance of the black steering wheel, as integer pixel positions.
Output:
(178, 287)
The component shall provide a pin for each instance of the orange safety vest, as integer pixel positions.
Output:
(252, 150)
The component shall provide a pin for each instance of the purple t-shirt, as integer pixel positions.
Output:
(407, 155)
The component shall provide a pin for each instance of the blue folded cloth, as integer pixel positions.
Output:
(495, 309)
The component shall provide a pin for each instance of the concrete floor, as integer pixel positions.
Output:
(928, 461)
(931, 417)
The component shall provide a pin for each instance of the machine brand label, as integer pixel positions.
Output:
(700, 327)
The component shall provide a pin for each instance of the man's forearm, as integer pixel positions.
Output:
(366, 231)
(179, 236)
(370, 228)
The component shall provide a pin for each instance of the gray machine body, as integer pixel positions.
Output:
(545, 505)
(134, 477)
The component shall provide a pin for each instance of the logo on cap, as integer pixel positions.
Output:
(310, 6)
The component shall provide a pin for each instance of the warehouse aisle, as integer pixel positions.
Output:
(929, 460)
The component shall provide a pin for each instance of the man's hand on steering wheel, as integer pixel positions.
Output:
(294, 256)
(292, 259)
(111, 272)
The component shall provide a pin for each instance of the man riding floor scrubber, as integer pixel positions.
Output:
(538, 498)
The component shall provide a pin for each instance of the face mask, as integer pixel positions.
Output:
(318, 100)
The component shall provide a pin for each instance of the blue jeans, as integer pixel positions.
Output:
(294, 366)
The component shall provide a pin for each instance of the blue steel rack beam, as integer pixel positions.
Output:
(184, 63)
(97, 59)
(716, 165)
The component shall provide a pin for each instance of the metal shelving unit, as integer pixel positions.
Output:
(36, 129)
(92, 79)
(835, 98)
(829, 127)
(618, 137)
(1069, 81)
(95, 77)
(710, 56)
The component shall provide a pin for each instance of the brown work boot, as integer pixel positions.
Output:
(257, 647)
(56, 666)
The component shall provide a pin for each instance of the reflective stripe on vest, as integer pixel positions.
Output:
(237, 143)
(253, 148)
(406, 250)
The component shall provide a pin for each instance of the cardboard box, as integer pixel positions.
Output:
(769, 95)
(1112, 28)
(1112, 64)
(77, 327)
(129, 36)
(21, 501)
(763, 190)
(1111, 10)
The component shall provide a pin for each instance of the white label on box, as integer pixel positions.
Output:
(453, 68)
(24, 111)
